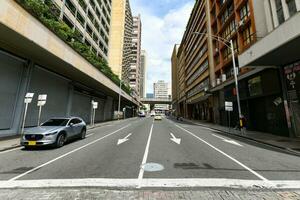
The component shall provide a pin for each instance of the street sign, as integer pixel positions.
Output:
(228, 108)
(29, 95)
(228, 104)
(95, 105)
(42, 97)
(41, 103)
(28, 98)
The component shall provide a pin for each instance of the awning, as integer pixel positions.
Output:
(241, 77)
(280, 47)
(199, 99)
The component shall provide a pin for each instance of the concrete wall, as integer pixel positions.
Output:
(18, 77)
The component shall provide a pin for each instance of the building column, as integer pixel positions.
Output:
(23, 89)
(108, 108)
(212, 75)
(285, 8)
(298, 4)
(274, 14)
(285, 101)
(70, 100)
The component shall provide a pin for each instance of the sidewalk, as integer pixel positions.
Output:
(12, 142)
(159, 194)
(289, 144)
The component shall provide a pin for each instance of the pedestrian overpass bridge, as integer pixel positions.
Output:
(156, 101)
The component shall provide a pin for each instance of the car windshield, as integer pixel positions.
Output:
(56, 122)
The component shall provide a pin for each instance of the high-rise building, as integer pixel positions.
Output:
(120, 54)
(204, 66)
(174, 61)
(161, 90)
(279, 47)
(143, 73)
(92, 21)
(135, 64)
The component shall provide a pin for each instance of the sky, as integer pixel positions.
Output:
(163, 25)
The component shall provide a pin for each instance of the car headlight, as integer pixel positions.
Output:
(52, 133)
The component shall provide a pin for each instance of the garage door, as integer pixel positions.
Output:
(56, 87)
(11, 71)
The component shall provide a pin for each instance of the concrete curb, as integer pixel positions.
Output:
(88, 128)
(286, 150)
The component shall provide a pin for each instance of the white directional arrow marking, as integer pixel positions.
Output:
(228, 141)
(174, 139)
(120, 141)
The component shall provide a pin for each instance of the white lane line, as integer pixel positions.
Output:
(89, 135)
(153, 183)
(10, 150)
(228, 156)
(66, 154)
(228, 141)
(141, 173)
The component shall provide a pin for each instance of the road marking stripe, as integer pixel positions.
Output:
(228, 156)
(219, 137)
(10, 150)
(89, 135)
(152, 183)
(141, 173)
(66, 154)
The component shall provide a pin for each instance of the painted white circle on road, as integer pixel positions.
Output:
(152, 167)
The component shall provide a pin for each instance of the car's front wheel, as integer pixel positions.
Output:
(83, 133)
(60, 141)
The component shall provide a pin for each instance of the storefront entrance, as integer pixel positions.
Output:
(292, 78)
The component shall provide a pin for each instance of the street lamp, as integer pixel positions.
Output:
(229, 44)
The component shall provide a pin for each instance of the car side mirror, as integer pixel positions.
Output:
(71, 124)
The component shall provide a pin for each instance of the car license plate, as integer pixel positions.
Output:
(32, 143)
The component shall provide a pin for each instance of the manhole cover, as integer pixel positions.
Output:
(152, 167)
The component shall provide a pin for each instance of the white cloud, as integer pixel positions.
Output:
(159, 35)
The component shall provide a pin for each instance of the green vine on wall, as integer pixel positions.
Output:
(47, 13)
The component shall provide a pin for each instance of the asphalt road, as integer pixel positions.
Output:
(147, 152)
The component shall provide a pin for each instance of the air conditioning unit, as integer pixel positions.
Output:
(218, 81)
(216, 50)
(223, 77)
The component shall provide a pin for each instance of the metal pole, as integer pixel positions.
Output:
(119, 106)
(236, 84)
(25, 113)
(94, 117)
(92, 113)
(39, 118)
(229, 121)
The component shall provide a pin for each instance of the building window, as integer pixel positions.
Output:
(80, 18)
(292, 6)
(279, 11)
(245, 12)
(254, 86)
(71, 6)
(247, 36)
(227, 12)
(82, 4)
